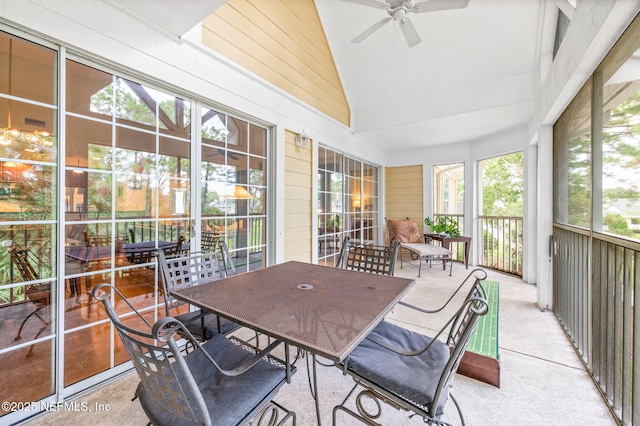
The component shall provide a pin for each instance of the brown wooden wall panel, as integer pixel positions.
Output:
(284, 43)
(404, 193)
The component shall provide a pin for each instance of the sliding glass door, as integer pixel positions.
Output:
(348, 203)
(28, 213)
(97, 173)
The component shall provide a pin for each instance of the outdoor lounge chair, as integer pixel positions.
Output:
(221, 382)
(408, 370)
(406, 231)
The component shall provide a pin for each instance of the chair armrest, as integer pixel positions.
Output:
(387, 345)
(251, 361)
(477, 274)
(167, 327)
(202, 314)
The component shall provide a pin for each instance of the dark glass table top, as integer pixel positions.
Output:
(325, 310)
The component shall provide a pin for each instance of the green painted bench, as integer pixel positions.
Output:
(481, 361)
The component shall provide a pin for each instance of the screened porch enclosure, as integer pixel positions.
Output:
(595, 238)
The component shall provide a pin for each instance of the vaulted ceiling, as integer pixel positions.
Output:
(475, 73)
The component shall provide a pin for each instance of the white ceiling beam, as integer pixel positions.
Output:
(467, 126)
(483, 95)
(169, 16)
(567, 8)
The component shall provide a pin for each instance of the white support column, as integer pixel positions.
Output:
(545, 217)
(276, 196)
(427, 192)
(472, 208)
(530, 210)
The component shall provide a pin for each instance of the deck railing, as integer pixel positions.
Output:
(594, 280)
(501, 243)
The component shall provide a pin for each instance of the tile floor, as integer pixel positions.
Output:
(542, 378)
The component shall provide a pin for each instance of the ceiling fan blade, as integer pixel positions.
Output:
(410, 32)
(435, 5)
(371, 3)
(372, 29)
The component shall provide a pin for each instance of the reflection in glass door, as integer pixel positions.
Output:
(28, 156)
(233, 188)
(127, 191)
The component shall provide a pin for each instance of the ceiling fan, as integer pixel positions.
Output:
(398, 10)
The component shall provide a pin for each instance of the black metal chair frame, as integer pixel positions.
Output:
(209, 240)
(460, 328)
(225, 260)
(187, 271)
(368, 258)
(38, 294)
(175, 388)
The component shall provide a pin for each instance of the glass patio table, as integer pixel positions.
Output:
(323, 310)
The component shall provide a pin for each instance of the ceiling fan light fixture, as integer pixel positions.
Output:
(398, 10)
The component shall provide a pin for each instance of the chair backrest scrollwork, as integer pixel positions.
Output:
(368, 258)
(158, 367)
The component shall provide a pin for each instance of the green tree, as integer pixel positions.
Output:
(503, 182)
(621, 159)
(579, 177)
(616, 224)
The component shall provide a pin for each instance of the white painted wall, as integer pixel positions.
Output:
(469, 153)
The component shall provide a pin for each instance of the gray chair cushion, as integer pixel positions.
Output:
(194, 325)
(414, 377)
(228, 399)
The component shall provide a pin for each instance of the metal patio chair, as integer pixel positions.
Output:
(209, 240)
(368, 258)
(38, 294)
(187, 271)
(221, 382)
(179, 249)
(408, 370)
(226, 261)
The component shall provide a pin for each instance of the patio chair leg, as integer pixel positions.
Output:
(44, 327)
(19, 335)
(457, 408)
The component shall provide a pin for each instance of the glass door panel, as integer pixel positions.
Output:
(127, 193)
(233, 188)
(28, 213)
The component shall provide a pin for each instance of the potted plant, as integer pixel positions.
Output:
(443, 225)
(333, 223)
